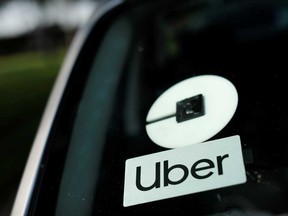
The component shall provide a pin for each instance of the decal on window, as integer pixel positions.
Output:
(176, 172)
(192, 111)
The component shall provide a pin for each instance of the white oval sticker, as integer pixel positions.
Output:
(192, 111)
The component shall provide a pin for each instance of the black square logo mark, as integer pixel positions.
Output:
(190, 108)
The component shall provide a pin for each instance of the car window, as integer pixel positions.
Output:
(130, 59)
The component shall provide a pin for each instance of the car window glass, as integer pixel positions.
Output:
(146, 50)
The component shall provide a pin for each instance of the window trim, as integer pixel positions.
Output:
(27, 182)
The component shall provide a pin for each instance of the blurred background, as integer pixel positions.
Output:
(34, 38)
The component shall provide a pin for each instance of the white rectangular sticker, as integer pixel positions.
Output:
(186, 170)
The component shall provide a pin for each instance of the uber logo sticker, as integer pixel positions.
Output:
(191, 111)
(182, 171)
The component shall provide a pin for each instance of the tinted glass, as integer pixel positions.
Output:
(141, 51)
